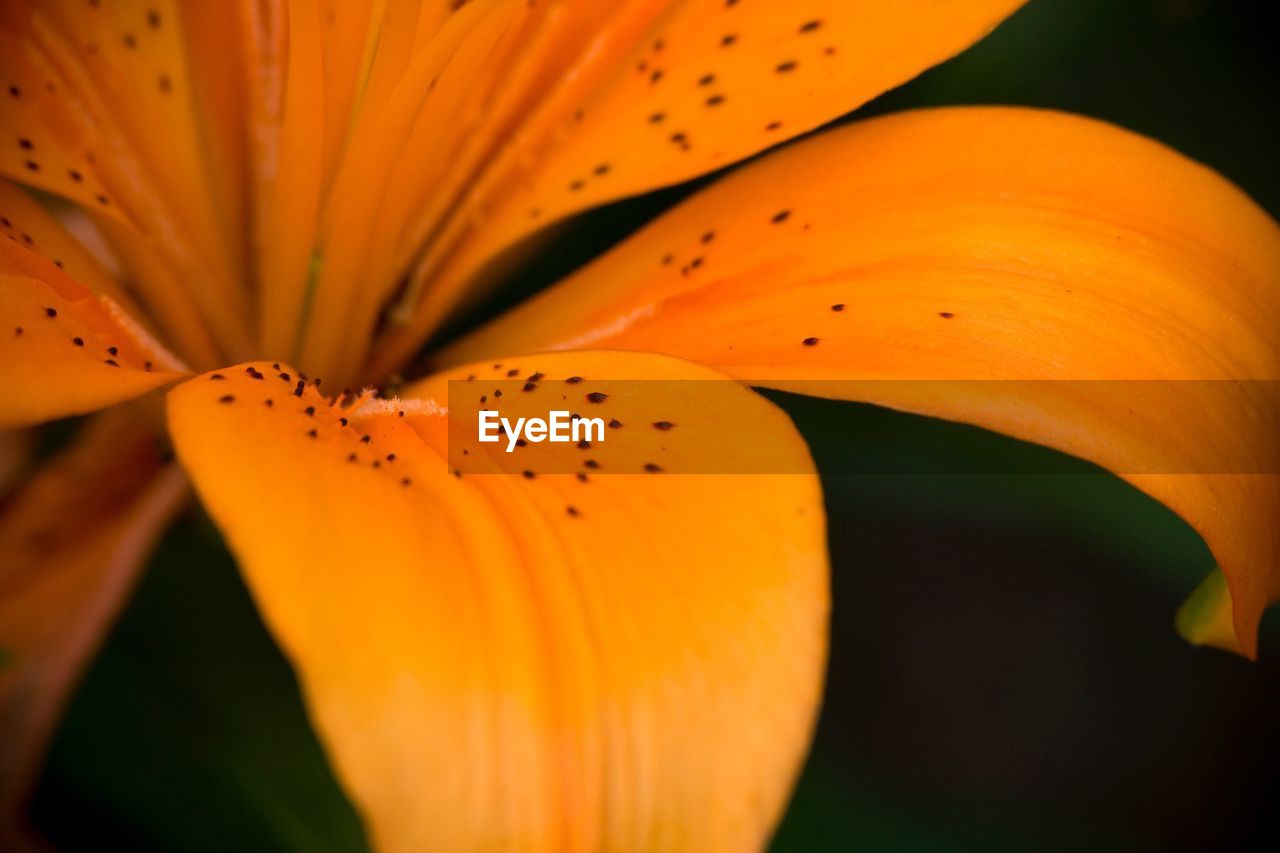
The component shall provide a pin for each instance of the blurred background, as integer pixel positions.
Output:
(1004, 672)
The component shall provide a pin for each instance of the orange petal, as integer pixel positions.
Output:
(64, 351)
(73, 539)
(107, 114)
(546, 662)
(50, 246)
(969, 244)
(663, 92)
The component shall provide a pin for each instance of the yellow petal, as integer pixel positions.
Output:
(73, 539)
(657, 93)
(64, 351)
(970, 244)
(1205, 618)
(501, 662)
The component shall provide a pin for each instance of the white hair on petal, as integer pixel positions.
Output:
(373, 407)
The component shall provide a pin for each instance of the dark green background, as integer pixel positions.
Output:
(1004, 672)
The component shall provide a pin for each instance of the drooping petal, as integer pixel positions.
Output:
(660, 92)
(973, 244)
(65, 351)
(548, 661)
(73, 539)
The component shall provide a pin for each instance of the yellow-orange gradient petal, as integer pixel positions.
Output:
(656, 93)
(65, 351)
(541, 661)
(73, 538)
(973, 244)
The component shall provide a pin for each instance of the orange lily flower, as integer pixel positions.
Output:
(557, 661)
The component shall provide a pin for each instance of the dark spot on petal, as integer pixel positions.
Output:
(946, 315)
(78, 341)
(572, 511)
(227, 398)
(574, 380)
(528, 475)
(663, 425)
(839, 306)
(785, 67)
(652, 468)
(780, 217)
(810, 26)
(810, 342)
(365, 439)
(597, 397)
(614, 423)
(51, 312)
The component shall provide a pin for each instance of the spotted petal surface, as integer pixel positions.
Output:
(982, 244)
(550, 661)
